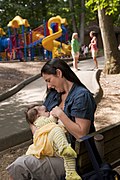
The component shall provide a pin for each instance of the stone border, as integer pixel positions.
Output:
(98, 90)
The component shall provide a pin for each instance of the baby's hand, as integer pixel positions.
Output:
(56, 111)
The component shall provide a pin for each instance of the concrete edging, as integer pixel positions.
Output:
(98, 90)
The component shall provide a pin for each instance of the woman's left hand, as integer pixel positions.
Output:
(56, 111)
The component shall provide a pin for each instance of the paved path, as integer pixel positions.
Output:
(13, 127)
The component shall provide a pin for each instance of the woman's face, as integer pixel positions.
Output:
(54, 82)
(76, 36)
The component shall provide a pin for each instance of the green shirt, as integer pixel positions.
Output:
(75, 45)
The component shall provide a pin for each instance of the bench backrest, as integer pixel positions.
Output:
(111, 147)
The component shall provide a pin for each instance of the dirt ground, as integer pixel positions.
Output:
(15, 72)
(107, 113)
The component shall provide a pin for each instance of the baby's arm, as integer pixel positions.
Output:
(33, 128)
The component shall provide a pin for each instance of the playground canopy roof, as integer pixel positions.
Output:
(17, 22)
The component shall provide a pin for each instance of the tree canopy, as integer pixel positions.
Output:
(111, 6)
(37, 10)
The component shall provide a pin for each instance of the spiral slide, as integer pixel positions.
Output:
(50, 43)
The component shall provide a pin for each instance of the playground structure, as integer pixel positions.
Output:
(3, 43)
(49, 40)
(51, 44)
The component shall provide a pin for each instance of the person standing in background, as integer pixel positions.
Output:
(93, 47)
(86, 50)
(75, 50)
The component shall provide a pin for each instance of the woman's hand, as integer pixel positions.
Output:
(78, 128)
(56, 112)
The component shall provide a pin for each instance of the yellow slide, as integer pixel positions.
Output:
(51, 44)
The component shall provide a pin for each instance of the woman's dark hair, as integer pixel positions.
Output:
(51, 66)
(93, 33)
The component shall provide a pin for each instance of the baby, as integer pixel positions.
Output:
(49, 139)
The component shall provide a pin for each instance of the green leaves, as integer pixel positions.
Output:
(111, 6)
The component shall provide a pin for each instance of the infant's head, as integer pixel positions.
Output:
(35, 111)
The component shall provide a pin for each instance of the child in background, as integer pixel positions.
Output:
(49, 139)
(93, 47)
(86, 50)
(75, 50)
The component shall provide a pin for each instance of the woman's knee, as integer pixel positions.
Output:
(18, 169)
(29, 167)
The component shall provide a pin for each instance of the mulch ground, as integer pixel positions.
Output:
(15, 72)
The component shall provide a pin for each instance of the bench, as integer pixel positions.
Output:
(108, 147)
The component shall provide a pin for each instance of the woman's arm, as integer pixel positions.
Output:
(94, 41)
(78, 128)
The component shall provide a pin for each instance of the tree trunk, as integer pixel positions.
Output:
(111, 52)
(71, 4)
(82, 20)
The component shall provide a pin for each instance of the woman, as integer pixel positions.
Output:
(93, 47)
(71, 102)
(75, 50)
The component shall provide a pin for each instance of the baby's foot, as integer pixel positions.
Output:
(69, 152)
(73, 176)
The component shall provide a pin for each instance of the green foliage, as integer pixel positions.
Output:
(111, 6)
(35, 11)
